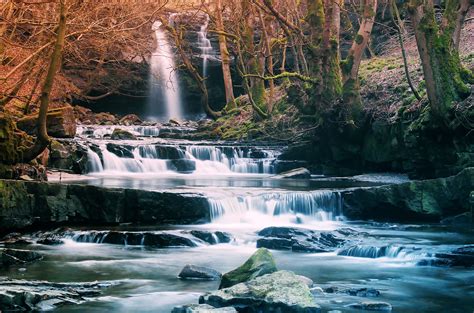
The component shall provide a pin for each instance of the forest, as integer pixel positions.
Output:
(236, 156)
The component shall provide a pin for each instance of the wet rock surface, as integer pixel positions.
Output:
(462, 257)
(297, 173)
(305, 240)
(372, 306)
(202, 308)
(193, 272)
(9, 257)
(22, 295)
(280, 291)
(260, 263)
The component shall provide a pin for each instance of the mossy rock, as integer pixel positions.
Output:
(260, 263)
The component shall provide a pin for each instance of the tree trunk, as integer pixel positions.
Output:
(442, 69)
(350, 67)
(268, 57)
(42, 138)
(225, 58)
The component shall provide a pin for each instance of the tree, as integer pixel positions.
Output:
(438, 46)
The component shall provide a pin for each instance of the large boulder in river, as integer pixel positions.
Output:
(260, 263)
(193, 272)
(282, 291)
(10, 257)
(61, 123)
(121, 134)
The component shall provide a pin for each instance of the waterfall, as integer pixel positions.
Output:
(204, 45)
(389, 251)
(164, 85)
(320, 205)
(93, 161)
(193, 158)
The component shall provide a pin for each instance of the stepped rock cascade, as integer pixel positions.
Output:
(162, 158)
(204, 44)
(104, 131)
(164, 84)
(389, 251)
(320, 205)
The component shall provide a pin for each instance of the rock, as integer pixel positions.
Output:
(372, 306)
(280, 291)
(285, 165)
(104, 118)
(260, 263)
(194, 272)
(304, 240)
(184, 166)
(120, 134)
(212, 237)
(122, 151)
(174, 122)
(460, 220)
(202, 308)
(298, 173)
(50, 240)
(22, 295)
(356, 292)
(84, 115)
(14, 239)
(10, 257)
(61, 123)
(68, 156)
(130, 119)
(414, 201)
(26, 177)
(462, 257)
(50, 205)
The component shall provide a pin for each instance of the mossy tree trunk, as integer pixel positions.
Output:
(42, 138)
(225, 58)
(444, 75)
(254, 67)
(350, 66)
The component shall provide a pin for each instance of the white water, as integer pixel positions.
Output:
(274, 208)
(164, 85)
(207, 160)
(205, 46)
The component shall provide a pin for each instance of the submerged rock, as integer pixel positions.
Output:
(194, 272)
(304, 240)
(22, 295)
(462, 257)
(9, 257)
(298, 173)
(260, 263)
(356, 292)
(372, 306)
(280, 291)
(202, 308)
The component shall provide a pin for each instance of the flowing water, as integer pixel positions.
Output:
(243, 198)
(164, 91)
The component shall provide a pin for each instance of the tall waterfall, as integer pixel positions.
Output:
(205, 46)
(164, 85)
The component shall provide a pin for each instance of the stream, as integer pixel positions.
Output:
(244, 197)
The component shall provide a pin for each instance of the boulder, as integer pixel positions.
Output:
(372, 306)
(304, 240)
(260, 263)
(10, 257)
(130, 119)
(298, 173)
(84, 115)
(120, 134)
(61, 123)
(202, 308)
(68, 156)
(193, 272)
(212, 237)
(286, 165)
(281, 291)
(22, 295)
(104, 118)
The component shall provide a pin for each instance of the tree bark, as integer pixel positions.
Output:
(225, 58)
(442, 69)
(350, 68)
(42, 138)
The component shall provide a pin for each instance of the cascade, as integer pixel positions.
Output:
(164, 84)
(320, 205)
(389, 251)
(204, 44)
(146, 158)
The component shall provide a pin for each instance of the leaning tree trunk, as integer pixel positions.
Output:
(444, 75)
(225, 58)
(350, 66)
(42, 138)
